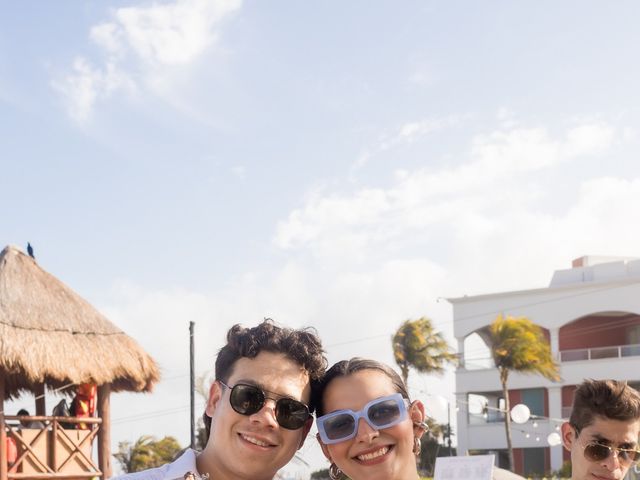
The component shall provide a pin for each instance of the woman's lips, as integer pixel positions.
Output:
(374, 455)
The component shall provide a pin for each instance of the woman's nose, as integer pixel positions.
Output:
(366, 433)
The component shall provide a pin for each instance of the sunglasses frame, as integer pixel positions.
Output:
(401, 402)
(265, 397)
(611, 450)
(609, 447)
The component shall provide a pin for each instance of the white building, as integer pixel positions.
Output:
(591, 316)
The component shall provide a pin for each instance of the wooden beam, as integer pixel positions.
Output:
(4, 470)
(45, 418)
(50, 476)
(41, 406)
(104, 434)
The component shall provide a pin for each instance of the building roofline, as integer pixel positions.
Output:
(543, 290)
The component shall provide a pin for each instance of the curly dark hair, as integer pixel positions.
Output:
(301, 346)
(610, 399)
(347, 367)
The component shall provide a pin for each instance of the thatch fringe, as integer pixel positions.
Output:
(50, 335)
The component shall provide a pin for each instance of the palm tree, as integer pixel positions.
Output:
(417, 345)
(519, 345)
(147, 452)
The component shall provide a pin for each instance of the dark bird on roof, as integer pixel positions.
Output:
(30, 250)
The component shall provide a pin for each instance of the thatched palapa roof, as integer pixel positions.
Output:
(50, 335)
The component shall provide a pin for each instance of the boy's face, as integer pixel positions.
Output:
(603, 431)
(256, 446)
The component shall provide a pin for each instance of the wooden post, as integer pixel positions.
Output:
(104, 434)
(54, 444)
(41, 406)
(192, 389)
(4, 469)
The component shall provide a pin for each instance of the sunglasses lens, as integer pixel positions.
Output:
(339, 426)
(246, 399)
(384, 413)
(596, 452)
(628, 456)
(291, 414)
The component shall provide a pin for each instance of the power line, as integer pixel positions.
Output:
(154, 414)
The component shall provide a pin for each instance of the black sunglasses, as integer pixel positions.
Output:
(248, 399)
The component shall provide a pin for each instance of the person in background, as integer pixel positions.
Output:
(259, 408)
(368, 427)
(602, 432)
(84, 403)
(25, 423)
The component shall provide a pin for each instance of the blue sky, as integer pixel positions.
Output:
(336, 164)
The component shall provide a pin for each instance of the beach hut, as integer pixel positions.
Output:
(51, 338)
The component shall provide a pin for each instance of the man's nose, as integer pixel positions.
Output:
(612, 462)
(267, 414)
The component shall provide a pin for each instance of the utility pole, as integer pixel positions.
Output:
(193, 385)
(449, 426)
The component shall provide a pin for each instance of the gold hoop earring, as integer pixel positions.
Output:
(334, 472)
(417, 446)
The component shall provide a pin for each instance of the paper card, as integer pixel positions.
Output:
(474, 467)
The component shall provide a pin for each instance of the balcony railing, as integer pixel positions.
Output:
(598, 353)
(57, 450)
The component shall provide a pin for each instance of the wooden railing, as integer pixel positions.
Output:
(59, 450)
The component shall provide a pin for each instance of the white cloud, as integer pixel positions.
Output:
(589, 139)
(368, 218)
(85, 85)
(141, 47)
(530, 149)
(407, 134)
(108, 36)
(520, 247)
(171, 34)
(239, 171)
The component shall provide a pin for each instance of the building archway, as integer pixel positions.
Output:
(600, 335)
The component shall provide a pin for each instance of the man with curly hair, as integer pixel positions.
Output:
(258, 412)
(602, 432)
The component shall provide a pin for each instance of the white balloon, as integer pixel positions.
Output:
(554, 439)
(520, 413)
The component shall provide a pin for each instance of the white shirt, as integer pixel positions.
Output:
(170, 471)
